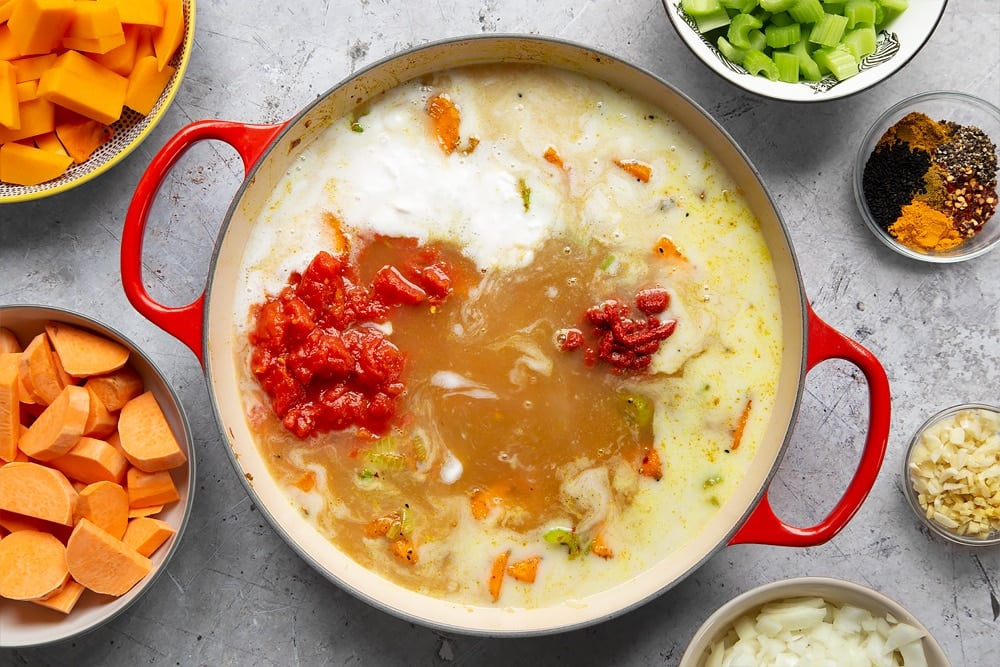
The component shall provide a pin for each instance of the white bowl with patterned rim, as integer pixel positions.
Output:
(901, 39)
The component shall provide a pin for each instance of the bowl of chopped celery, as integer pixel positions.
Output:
(804, 50)
(950, 474)
(813, 621)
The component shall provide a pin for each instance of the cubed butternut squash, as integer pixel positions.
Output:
(10, 116)
(145, 84)
(168, 38)
(27, 165)
(95, 19)
(81, 137)
(121, 59)
(50, 142)
(38, 26)
(27, 90)
(141, 12)
(84, 86)
(31, 67)
(37, 116)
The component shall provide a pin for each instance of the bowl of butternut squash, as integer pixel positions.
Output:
(96, 472)
(82, 83)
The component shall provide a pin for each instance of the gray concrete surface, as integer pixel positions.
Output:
(235, 594)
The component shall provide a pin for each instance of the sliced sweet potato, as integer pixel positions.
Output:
(105, 504)
(100, 422)
(117, 388)
(84, 353)
(145, 534)
(65, 599)
(13, 522)
(146, 438)
(10, 406)
(137, 512)
(9, 341)
(92, 460)
(102, 563)
(150, 488)
(59, 426)
(36, 490)
(38, 370)
(32, 565)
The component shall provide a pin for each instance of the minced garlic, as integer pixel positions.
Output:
(955, 472)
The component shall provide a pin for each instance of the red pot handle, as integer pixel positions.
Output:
(183, 322)
(763, 526)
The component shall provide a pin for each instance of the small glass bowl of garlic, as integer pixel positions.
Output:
(952, 473)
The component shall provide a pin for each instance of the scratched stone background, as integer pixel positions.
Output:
(235, 594)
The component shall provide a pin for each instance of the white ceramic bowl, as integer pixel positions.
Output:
(897, 45)
(23, 624)
(953, 535)
(129, 131)
(834, 591)
(952, 106)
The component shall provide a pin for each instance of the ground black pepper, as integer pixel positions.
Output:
(892, 176)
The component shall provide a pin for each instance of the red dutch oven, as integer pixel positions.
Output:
(206, 326)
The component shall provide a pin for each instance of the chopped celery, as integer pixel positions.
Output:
(806, 11)
(807, 66)
(780, 36)
(731, 53)
(739, 29)
(758, 62)
(742, 6)
(781, 19)
(859, 11)
(700, 7)
(794, 29)
(788, 66)
(837, 60)
(638, 410)
(566, 537)
(828, 30)
(710, 22)
(860, 41)
(890, 10)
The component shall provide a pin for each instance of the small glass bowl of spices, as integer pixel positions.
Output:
(951, 474)
(925, 179)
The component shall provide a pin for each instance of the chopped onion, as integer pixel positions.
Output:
(812, 632)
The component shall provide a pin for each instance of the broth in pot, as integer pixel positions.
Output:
(508, 335)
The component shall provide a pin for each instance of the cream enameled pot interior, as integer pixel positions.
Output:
(219, 338)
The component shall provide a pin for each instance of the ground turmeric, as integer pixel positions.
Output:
(918, 130)
(920, 226)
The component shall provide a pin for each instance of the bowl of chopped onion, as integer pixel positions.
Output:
(813, 621)
(804, 50)
(952, 474)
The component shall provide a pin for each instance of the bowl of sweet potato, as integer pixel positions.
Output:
(82, 84)
(96, 473)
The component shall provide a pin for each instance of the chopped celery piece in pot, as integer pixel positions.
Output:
(781, 19)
